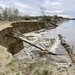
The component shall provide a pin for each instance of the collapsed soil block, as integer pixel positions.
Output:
(13, 45)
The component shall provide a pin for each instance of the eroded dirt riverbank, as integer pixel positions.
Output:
(15, 45)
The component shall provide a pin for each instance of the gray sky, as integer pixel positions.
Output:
(32, 7)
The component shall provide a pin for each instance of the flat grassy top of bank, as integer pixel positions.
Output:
(5, 24)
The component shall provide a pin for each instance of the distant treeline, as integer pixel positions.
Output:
(13, 14)
(9, 14)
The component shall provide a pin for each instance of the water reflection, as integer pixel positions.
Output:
(67, 29)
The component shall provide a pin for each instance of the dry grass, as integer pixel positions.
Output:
(5, 24)
(10, 66)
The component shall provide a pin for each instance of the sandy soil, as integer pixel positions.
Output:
(4, 24)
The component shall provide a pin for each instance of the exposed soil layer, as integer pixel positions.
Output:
(25, 27)
(15, 45)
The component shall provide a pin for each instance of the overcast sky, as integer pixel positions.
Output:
(32, 7)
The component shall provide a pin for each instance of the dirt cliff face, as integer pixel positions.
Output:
(25, 27)
(13, 45)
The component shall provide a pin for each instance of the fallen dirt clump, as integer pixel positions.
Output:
(13, 45)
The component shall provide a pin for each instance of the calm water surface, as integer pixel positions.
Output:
(66, 29)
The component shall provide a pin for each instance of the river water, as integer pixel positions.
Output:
(67, 29)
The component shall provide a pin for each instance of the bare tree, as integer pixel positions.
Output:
(10, 14)
(15, 13)
(42, 11)
(1, 9)
(5, 14)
